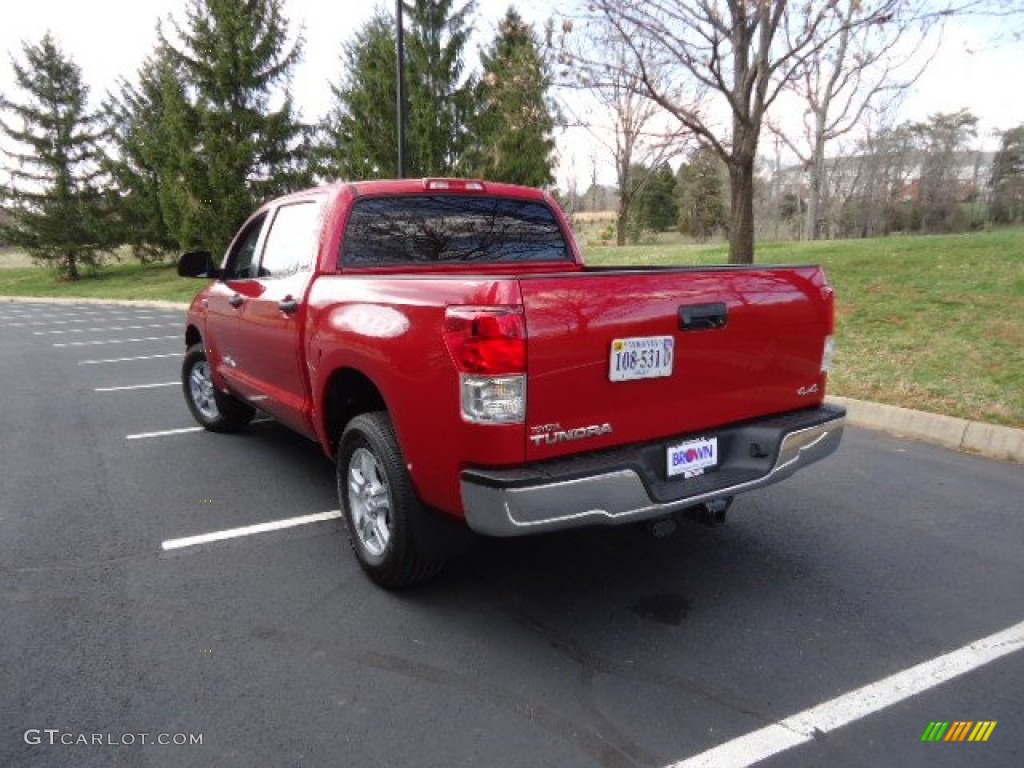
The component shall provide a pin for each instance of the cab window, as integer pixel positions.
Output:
(292, 241)
(439, 229)
(243, 252)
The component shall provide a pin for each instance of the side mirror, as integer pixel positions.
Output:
(197, 264)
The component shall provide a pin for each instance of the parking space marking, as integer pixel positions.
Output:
(249, 530)
(805, 726)
(162, 433)
(80, 320)
(104, 330)
(112, 341)
(55, 317)
(138, 386)
(13, 315)
(127, 359)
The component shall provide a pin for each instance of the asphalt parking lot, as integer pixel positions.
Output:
(597, 648)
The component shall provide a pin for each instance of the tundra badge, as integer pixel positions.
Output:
(553, 434)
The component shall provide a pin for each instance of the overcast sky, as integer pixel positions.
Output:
(110, 38)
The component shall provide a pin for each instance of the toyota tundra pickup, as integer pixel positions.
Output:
(445, 344)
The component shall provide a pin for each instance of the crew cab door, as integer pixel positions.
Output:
(227, 297)
(272, 320)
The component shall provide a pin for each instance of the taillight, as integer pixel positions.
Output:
(828, 353)
(487, 340)
(488, 347)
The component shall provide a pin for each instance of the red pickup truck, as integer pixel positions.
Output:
(444, 343)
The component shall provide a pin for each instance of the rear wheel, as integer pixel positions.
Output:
(379, 505)
(217, 411)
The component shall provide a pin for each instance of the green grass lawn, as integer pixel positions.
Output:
(934, 323)
(117, 281)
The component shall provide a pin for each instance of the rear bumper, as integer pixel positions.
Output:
(629, 484)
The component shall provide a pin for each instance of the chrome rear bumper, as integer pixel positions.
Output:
(535, 499)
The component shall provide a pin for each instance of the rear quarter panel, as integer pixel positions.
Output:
(389, 328)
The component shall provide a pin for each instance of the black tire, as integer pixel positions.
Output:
(383, 516)
(216, 411)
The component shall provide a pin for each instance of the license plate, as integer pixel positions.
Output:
(641, 357)
(691, 458)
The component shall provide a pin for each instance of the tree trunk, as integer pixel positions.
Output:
(621, 217)
(71, 261)
(741, 227)
(817, 183)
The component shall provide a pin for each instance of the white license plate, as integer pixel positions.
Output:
(691, 458)
(641, 357)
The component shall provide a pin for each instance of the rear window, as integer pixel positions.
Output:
(443, 229)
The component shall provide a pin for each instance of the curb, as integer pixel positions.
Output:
(990, 440)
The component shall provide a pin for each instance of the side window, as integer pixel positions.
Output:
(292, 241)
(240, 260)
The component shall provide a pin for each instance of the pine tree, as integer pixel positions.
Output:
(701, 201)
(144, 162)
(440, 98)
(512, 130)
(239, 144)
(58, 213)
(359, 137)
(655, 205)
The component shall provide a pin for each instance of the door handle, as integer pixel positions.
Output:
(236, 301)
(289, 306)
(703, 317)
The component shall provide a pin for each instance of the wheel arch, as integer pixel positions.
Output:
(347, 393)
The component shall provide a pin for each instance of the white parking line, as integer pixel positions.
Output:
(112, 341)
(805, 726)
(144, 435)
(249, 530)
(139, 386)
(23, 315)
(127, 359)
(49, 317)
(104, 330)
(71, 322)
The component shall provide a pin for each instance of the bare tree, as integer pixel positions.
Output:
(851, 68)
(884, 188)
(718, 65)
(638, 140)
(948, 172)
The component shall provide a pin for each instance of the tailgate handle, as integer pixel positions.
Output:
(703, 317)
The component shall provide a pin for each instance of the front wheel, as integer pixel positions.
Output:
(216, 411)
(379, 504)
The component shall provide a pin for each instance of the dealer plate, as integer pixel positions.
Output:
(641, 357)
(691, 458)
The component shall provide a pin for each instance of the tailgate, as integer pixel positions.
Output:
(745, 342)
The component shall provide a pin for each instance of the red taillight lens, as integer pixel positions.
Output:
(486, 340)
